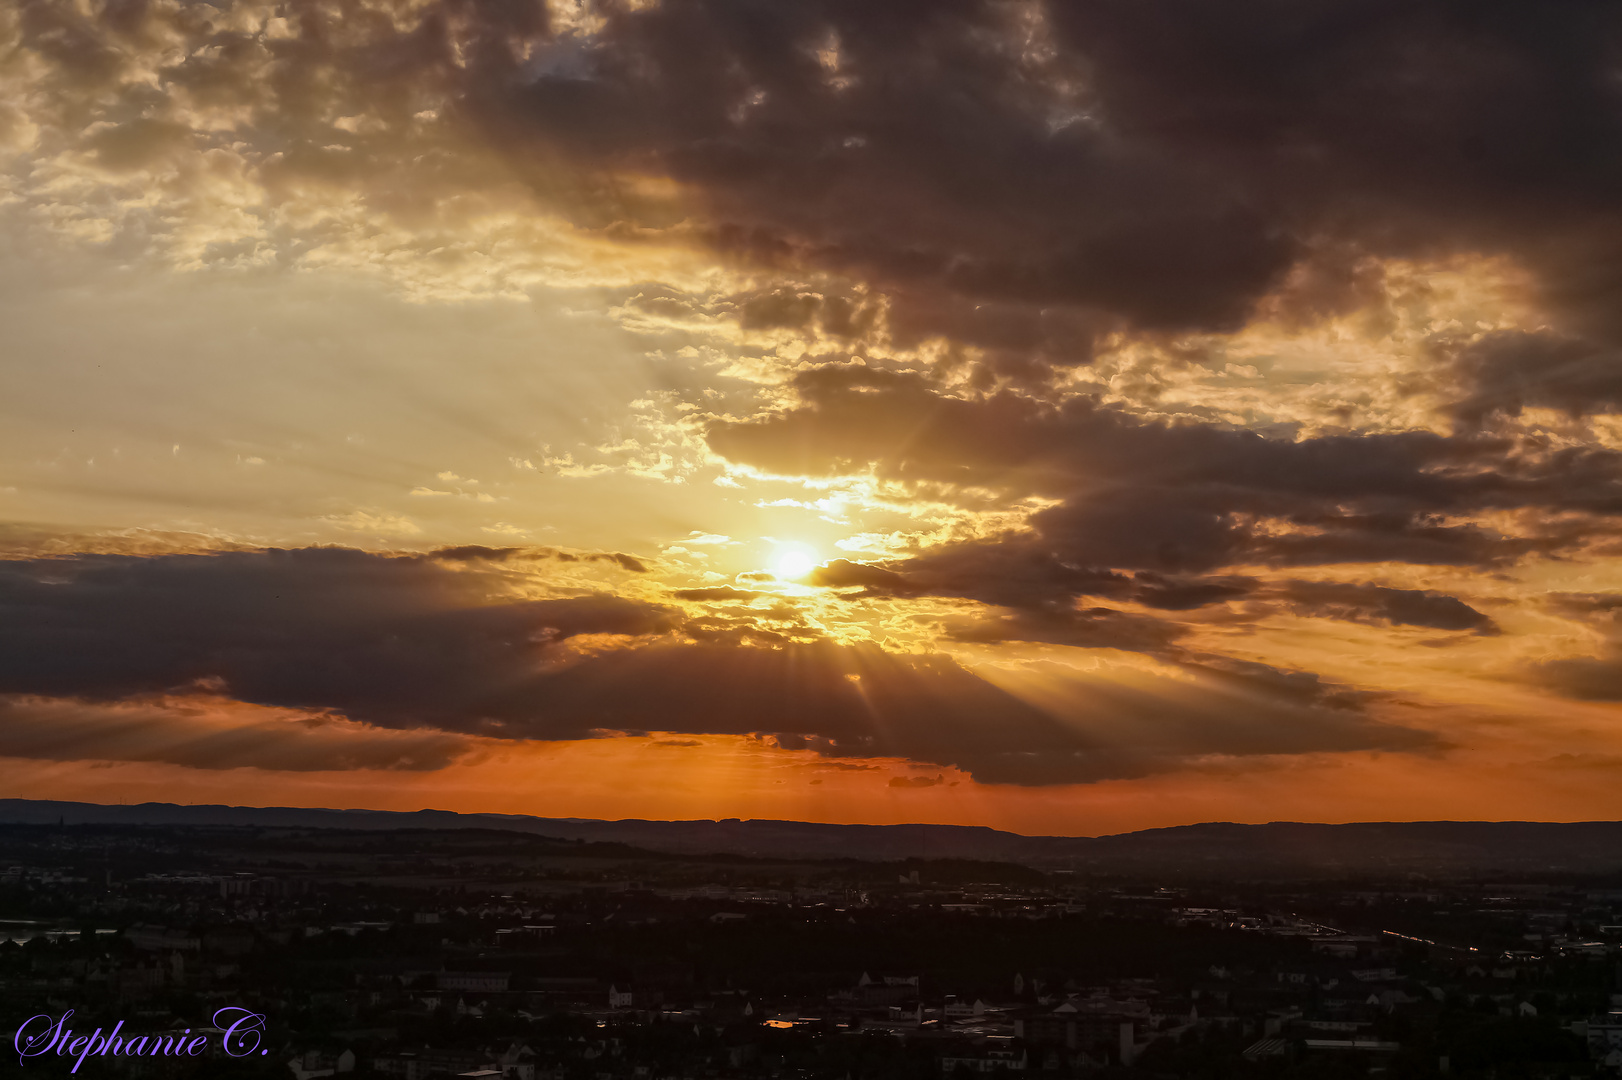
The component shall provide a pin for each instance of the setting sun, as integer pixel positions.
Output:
(794, 563)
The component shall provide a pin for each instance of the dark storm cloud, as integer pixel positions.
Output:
(398, 641)
(480, 553)
(941, 163)
(1177, 487)
(1185, 594)
(719, 593)
(408, 642)
(1057, 624)
(1041, 590)
(1021, 176)
(1509, 371)
(1162, 161)
(1016, 575)
(842, 573)
(1086, 628)
(1400, 607)
(1151, 512)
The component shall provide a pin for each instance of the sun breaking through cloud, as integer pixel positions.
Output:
(1058, 416)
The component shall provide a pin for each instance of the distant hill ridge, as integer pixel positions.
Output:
(1216, 848)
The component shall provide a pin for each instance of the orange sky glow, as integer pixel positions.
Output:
(409, 404)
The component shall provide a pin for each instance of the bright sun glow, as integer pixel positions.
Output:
(795, 563)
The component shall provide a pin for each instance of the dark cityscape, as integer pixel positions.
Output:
(478, 952)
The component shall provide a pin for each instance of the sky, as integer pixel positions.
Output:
(1067, 417)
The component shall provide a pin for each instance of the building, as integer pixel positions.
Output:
(477, 982)
(990, 1061)
(162, 939)
(1605, 1033)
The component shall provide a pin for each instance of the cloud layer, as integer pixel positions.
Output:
(1019, 177)
(1155, 380)
(421, 643)
(1167, 516)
